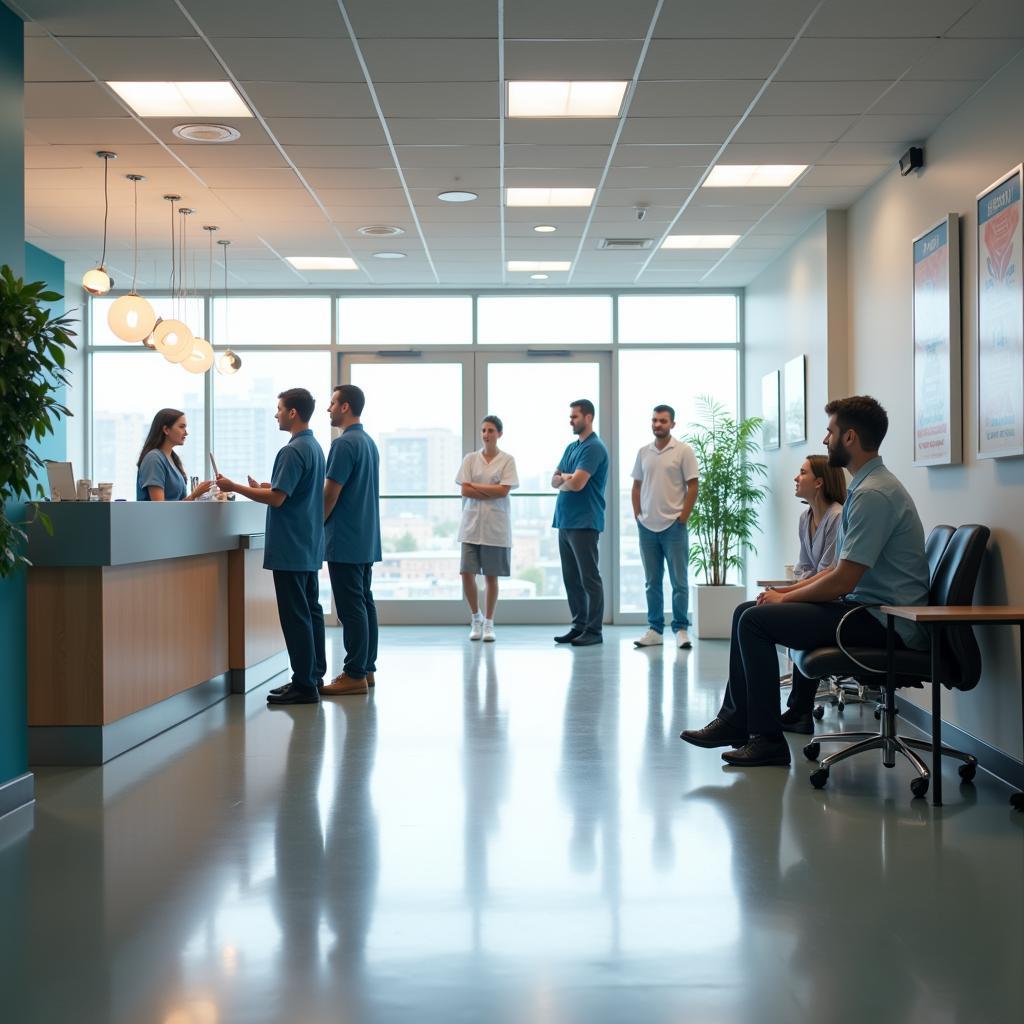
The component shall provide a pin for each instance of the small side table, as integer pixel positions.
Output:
(946, 615)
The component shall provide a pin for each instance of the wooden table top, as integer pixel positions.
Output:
(775, 583)
(957, 613)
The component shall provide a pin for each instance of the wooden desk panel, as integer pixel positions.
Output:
(255, 626)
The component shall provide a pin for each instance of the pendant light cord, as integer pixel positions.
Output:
(106, 211)
(135, 238)
(173, 263)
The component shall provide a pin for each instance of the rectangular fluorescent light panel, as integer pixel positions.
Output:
(549, 196)
(535, 265)
(322, 262)
(182, 99)
(565, 99)
(754, 175)
(699, 241)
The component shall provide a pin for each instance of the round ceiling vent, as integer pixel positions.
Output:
(207, 133)
(381, 230)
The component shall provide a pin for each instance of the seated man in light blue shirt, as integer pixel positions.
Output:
(881, 560)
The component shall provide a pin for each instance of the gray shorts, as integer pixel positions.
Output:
(483, 559)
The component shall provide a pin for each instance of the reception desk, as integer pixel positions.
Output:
(141, 614)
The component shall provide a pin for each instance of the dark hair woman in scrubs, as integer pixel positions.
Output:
(161, 475)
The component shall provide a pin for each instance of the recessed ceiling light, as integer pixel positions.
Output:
(206, 132)
(549, 196)
(380, 230)
(565, 99)
(322, 262)
(538, 277)
(457, 197)
(533, 265)
(699, 241)
(174, 99)
(754, 175)
(389, 255)
(545, 229)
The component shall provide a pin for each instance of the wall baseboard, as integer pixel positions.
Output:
(994, 761)
(17, 792)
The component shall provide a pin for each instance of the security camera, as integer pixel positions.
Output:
(640, 211)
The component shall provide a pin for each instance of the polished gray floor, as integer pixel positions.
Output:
(504, 833)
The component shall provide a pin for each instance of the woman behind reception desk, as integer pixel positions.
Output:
(161, 475)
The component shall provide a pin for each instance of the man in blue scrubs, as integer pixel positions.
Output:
(351, 508)
(579, 518)
(881, 560)
(295, 544)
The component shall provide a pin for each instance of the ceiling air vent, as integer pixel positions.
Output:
(206, 132)
(624, 243)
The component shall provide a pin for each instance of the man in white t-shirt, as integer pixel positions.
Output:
(664, 493)
(485, 479)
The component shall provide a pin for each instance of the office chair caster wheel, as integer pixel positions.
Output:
(819, 778)
(919, 787)
(819, 711)
(840, 707)
(811, 751)
(968, 771)
(878, 714)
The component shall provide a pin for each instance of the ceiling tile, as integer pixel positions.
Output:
(925, 97)
(47, 61)
(316, 19)
(127, 59)
(858, 60)
(663, 156)
(692, 99)
(112, 18)
(655, 177)
(867, 18)
(341, 156)
(311, 99)
(541, 177)
(234, 177)
(70, 99)
(200, 155)
(556, 156)
(250, 130)
(413, 19)
(780, 129)
(774, 152)
(348, 178)
(447, 156)
(964, 59)
(581, 131)
(903, 128)
(290, 60)
(327, 131)
(996, 19)
(863, 153)
(779, 19)
(804, 98)
(445, 131)
(577, 19)
(571, 59)
(97, 132)
(862, 175)
(439, 99)
(727, 58)
(431, 60)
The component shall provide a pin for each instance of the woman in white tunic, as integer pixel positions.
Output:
(486, 477)
(823, 488)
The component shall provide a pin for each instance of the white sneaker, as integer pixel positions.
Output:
(489, 637)
(475, 628)
(651, 638)
(683, 640)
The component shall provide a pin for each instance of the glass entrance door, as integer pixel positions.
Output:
(424, 412)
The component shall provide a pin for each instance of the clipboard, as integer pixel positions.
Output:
(213, 462)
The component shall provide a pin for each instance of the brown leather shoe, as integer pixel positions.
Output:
(370, 681)
(344, 686)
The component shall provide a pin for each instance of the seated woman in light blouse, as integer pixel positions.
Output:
(823, 488)
(161, 475)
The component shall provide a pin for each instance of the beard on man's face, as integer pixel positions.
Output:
(838, 454)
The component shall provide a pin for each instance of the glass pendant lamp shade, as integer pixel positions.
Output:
(200, 359)
(228, 363)
(131, 318)
(173, 340)
(96, 281)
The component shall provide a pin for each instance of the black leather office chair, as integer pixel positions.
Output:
(957, 665)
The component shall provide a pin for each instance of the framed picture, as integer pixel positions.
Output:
(1000, 320)
(795, 402)
(938, 407)
(770, 410)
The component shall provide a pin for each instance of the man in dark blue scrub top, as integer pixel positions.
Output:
(579, 518)
(295, 544)
(352, 525)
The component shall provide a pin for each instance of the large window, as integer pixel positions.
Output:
(666, 319)
(544, 319)
(405, 320)
(245, 320)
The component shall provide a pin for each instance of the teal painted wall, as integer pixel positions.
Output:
(13, 727)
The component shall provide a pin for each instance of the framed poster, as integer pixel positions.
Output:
(1000, 320)
(795, 401)
(770, 410)
(938, 407)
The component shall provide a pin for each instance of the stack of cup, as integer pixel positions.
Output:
(84, 489)
(106, 491)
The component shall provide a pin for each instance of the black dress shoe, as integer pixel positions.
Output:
(717, 733)
(278, 690)
(797, 721)
(587, 640)
(567, 638)
(293, 695)
(760, 751)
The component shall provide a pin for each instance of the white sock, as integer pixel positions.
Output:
(477, 617)
(489, 622)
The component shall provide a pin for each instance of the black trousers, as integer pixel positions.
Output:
(751, 698)
(577, 550)
(302, 622)
(351, 583)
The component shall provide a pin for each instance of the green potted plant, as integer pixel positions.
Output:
(724, 520)
(33, 345)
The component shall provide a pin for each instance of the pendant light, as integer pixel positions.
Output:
(131, 317)
(172, 338)
(228, 362)
(200, 359)
(97, 281)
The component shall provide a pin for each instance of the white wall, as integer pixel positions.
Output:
(972, 148)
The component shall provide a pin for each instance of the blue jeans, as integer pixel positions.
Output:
(672, 546)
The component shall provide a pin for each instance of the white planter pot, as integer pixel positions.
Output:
(713, 608)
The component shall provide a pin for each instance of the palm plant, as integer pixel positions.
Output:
(724, 520)
(33, 343)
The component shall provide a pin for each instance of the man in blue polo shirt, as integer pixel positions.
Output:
(579, 518)
(881, 560)
(352, 523)
(294, 547)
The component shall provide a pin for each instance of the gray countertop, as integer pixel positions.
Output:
(128, 532)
